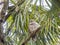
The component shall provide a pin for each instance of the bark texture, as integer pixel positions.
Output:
(3, 8)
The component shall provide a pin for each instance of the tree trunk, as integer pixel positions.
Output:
(3, 8)
(1, 35)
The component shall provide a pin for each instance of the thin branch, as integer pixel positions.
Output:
(30, 36)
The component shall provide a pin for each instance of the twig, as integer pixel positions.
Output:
(30, 36)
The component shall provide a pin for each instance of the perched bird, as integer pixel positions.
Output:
(33, 28)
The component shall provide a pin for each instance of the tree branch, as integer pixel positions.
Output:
(30, 36)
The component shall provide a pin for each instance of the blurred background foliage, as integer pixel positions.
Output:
(45, 12)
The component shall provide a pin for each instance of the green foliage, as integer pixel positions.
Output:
(17, 28)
